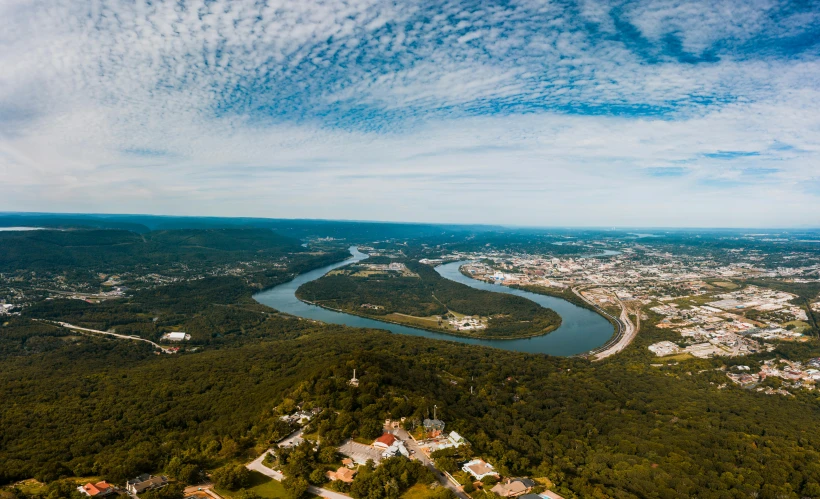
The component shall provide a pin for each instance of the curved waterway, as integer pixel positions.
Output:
(581, 330)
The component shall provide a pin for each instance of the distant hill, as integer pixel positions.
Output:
(301, 229)
(52, 250)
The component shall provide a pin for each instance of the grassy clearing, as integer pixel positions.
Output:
(260, 484)
(679, 357)
(417, 491)
(799, 326)
(724, 284)
(31, 486)
(431, 321)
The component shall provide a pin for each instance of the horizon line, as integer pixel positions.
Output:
(394, 222)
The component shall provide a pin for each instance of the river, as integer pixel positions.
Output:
(581, 330)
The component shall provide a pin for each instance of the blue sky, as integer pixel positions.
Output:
(655, 113)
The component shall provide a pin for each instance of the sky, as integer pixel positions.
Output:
(542, 113)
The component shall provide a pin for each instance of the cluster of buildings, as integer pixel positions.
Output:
(391, 446)
(636, 272)
(375, 269)
(467, 323)
(721, 328)
(24, 288)
(793, 374)
(301, 417)
(434, 437)
(694, 294)
(138, 485)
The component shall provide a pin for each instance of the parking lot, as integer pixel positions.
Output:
(360, 453)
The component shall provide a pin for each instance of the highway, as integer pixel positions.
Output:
(626, 330)
(628, 333)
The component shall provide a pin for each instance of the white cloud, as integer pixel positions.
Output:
(366, 109)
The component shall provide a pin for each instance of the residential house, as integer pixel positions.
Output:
(513, 487)
(433, 424)
(344, 474)
(99, 489)
(145, 482)
(396, 449)
(479, 469)
(457, 440)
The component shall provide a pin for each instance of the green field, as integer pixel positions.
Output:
(260, 484)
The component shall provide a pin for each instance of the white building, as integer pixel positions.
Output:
(176, 336)
(456, 440)
(664, 348)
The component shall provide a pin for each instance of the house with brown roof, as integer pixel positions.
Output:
(479, 469)
(513, 487)
(99, 489)
(344, 474)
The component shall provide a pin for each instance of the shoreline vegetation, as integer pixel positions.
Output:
(417, 325)
(427, 297)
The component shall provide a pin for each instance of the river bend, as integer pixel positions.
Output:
(581, 329)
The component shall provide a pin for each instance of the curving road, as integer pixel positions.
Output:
(626, 330)
(257, 465)
(121, 336)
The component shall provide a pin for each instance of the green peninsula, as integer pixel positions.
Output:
(414, 294)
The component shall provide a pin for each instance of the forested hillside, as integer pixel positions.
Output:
(608, 430)
(629, 427)
(53, 250)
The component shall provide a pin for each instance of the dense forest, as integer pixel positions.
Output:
(75, 405)
(616, 429)
(50, 250)
(429, 294)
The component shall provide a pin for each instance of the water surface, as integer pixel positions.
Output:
(581, 330)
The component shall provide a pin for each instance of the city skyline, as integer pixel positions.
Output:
(627, 114)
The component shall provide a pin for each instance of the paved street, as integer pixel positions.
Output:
(421, 456)
(358, 452)
(256, 465)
